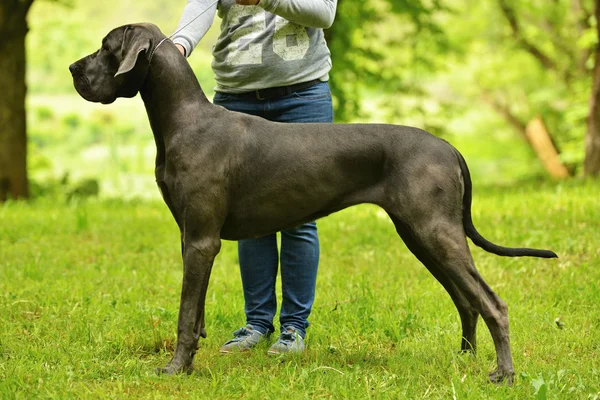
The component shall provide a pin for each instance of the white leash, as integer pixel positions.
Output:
(180, 29)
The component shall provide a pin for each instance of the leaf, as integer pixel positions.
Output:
(541, 388)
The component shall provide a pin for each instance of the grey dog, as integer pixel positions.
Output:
(227, 175)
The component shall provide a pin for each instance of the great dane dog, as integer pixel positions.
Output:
(227, 175)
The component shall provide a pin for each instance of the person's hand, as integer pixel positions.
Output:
(180, 48)
(247, 2)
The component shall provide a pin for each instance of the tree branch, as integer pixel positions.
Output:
(511, 16)
(583, 17)
(506, 113)
(579, 7)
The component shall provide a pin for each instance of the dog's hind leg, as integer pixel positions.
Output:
(468, 314)
(444, 245)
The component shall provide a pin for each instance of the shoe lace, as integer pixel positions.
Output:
(239, 335)
(289, 335)
(244, 331)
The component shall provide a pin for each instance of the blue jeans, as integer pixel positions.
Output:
(299, 258)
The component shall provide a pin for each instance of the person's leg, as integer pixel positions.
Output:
(258, 260)
(299, 265)
(300, 246)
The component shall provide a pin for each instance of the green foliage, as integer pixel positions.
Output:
(56, 40)
(527, 59)
(382, 46)
(62, 32)
(63, 190)
(99, 145)
(89, 295)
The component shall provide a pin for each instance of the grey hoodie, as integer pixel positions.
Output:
(276, 43)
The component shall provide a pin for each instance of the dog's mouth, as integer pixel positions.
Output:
(84, 88)
(82, 85)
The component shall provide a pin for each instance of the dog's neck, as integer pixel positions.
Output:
(171, 80)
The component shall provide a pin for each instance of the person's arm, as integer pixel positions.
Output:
(188, 38)
(312, 13)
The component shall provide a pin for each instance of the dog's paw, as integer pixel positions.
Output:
(172, 369)
(499, 376)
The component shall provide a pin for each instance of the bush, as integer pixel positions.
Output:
(63, 190)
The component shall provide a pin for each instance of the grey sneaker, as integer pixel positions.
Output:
(289, 341)
(243, 339)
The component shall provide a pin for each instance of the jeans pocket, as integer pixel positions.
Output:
(318, 91)
(220, 97)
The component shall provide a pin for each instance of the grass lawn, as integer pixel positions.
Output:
(89, 297)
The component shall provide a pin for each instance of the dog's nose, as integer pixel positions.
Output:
(72, 68)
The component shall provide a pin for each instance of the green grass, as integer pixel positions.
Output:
(89, 298)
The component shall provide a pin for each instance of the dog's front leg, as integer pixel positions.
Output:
(198, 257)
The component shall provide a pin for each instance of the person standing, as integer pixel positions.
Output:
(270, 60)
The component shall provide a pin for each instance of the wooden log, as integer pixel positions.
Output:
(542, 144)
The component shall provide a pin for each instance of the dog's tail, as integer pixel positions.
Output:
(476, 236)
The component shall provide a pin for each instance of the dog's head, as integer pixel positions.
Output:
(119, 67)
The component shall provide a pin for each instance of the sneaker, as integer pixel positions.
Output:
(289, 341)
(243, 339)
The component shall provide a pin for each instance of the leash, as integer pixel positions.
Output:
(180, 29)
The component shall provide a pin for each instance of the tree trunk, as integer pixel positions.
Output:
(13, 134)
(591, 165)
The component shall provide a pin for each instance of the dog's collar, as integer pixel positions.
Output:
(154, 49)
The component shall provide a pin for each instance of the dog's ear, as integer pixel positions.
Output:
(134, 42)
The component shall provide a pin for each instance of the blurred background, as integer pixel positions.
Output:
(510, 83)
